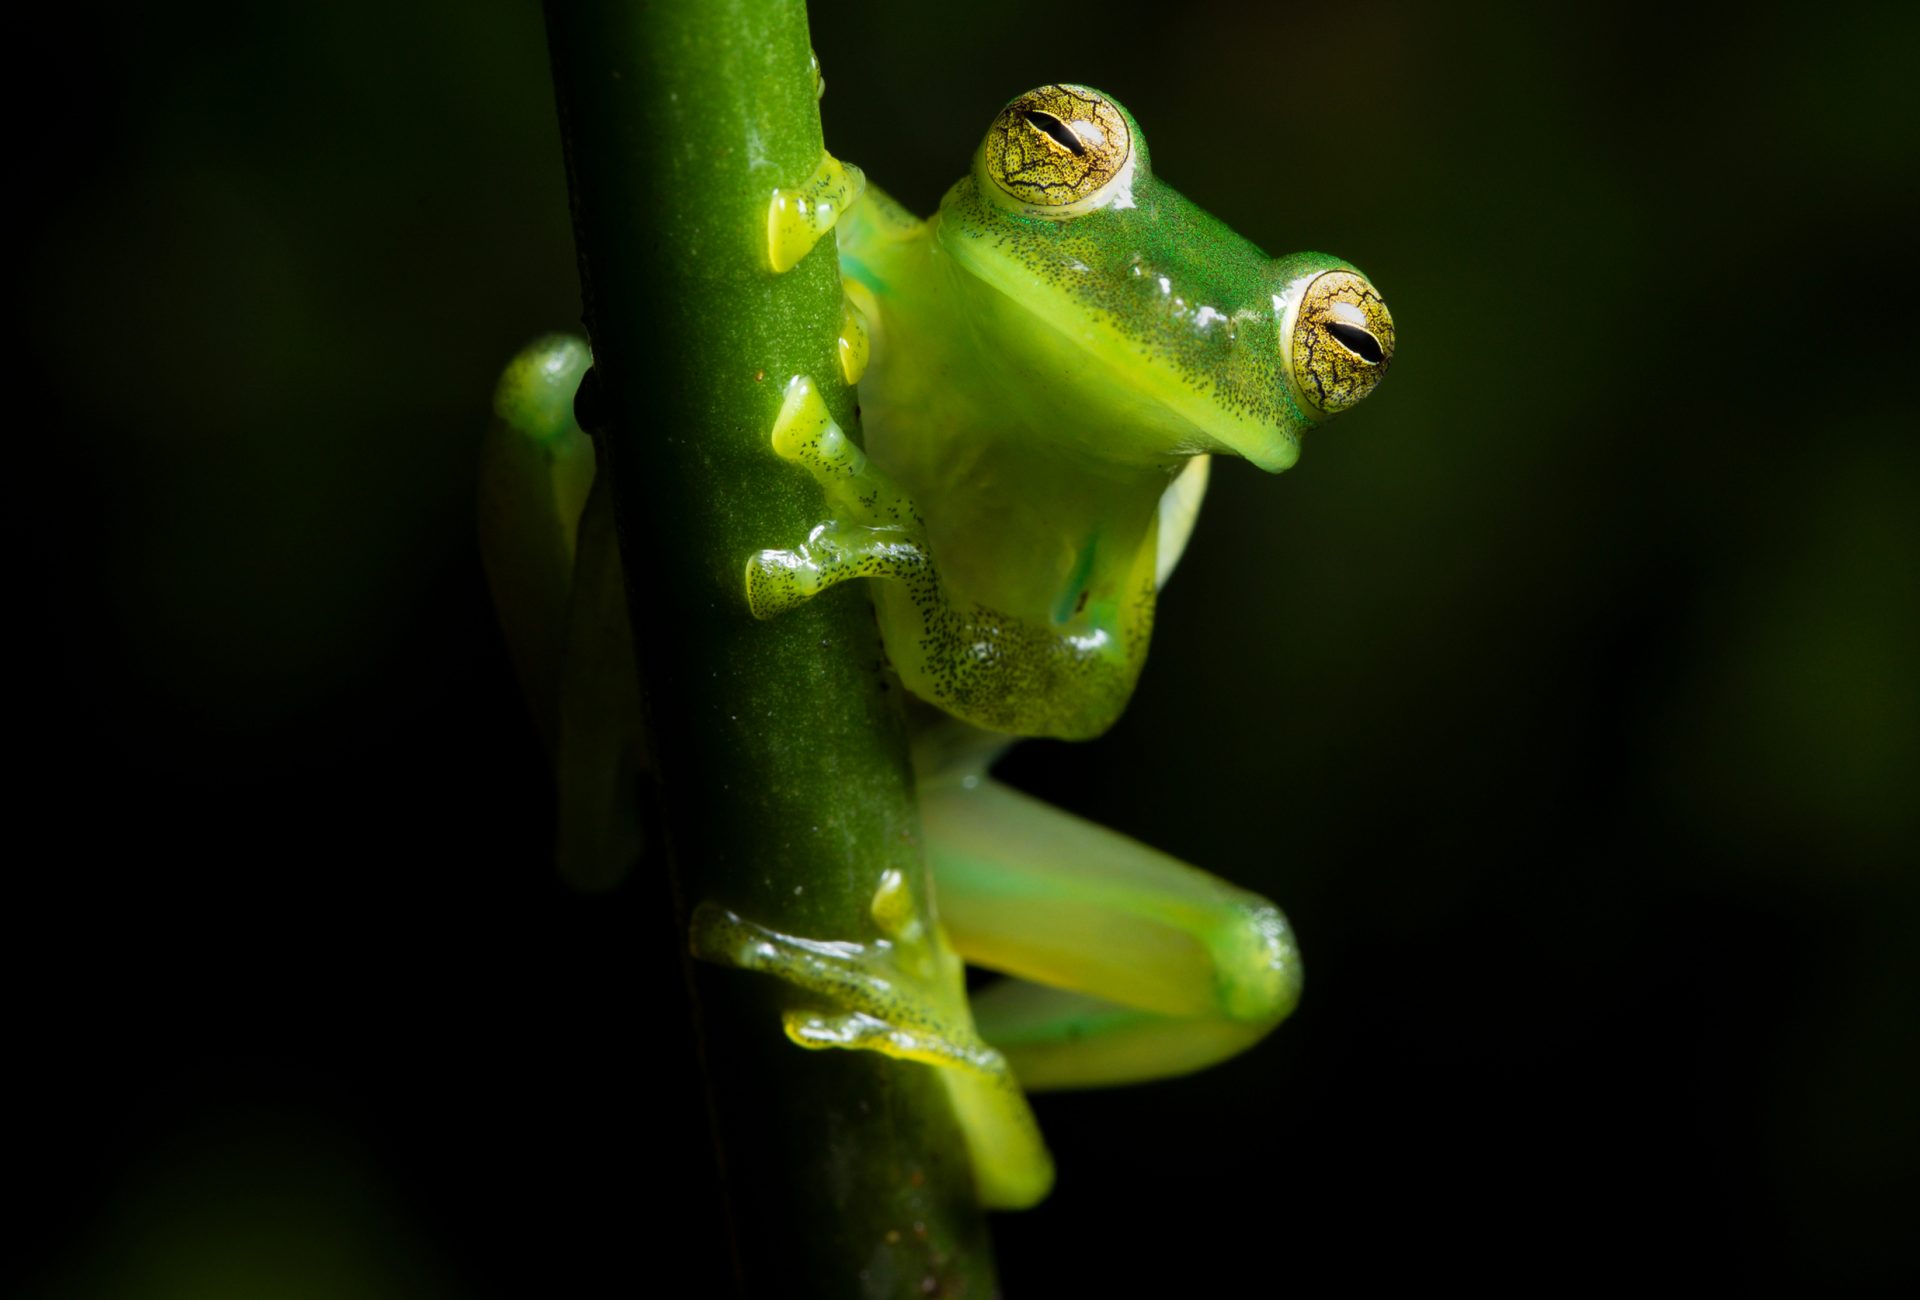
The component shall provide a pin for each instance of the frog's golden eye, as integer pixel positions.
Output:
(1059, 151)
(1340, 341)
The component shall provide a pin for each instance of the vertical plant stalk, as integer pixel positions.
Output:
(783, 782)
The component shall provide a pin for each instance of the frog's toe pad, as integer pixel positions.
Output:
(878, 998)
(928, 1045)
(797, 218)
(777, 581)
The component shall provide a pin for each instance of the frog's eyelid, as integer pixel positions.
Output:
(1056, 130)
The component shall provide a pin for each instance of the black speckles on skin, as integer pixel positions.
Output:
(1196, 297)
(1015, 675)
(778, 580)
(995, 669)
(876, 531)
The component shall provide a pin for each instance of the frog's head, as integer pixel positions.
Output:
(1156, 303)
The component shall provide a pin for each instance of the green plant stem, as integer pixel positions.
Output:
(783, 782)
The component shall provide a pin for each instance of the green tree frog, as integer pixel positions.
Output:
(1045, 366)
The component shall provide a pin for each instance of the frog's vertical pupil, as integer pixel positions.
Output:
(1357, 341)
(1061, 134)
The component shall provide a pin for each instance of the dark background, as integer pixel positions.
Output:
(1565, 694)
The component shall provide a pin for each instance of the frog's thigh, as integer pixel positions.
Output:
(1131, 965)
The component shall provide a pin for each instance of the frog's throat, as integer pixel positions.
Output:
(1215, 426)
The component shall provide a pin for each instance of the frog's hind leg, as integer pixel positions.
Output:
(547, 541)
(1130, 965)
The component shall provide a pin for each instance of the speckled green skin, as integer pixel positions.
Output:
(1034, 388)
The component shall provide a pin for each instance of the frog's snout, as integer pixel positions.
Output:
(1340, 342)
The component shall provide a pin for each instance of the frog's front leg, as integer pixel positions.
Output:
(875, 531)
(1129, 964)
(903, 995)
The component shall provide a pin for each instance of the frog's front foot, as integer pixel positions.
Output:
(903, 995)
(875, 531)
(797, 218)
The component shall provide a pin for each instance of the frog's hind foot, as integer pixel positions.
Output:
(875, 532)
(902, 995)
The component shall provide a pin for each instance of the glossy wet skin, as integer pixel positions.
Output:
(1051, 350)
(1170, 305)
(1054, 357)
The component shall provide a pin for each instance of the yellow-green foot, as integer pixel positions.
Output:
(902, 995)
(875, 531)
(797, 218)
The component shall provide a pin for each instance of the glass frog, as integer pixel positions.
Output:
(1046, 366)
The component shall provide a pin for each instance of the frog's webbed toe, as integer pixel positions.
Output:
(902, 995)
